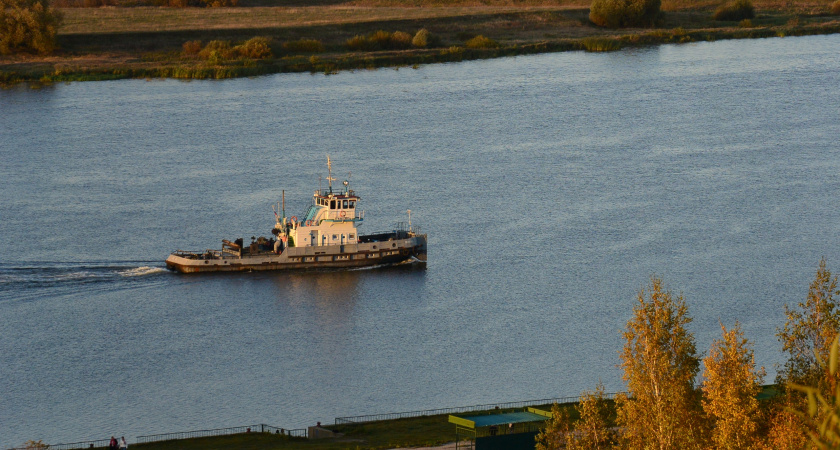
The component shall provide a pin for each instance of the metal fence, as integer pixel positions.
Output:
(259, 428)
(460, 409)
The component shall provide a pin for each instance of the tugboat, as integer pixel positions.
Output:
(325, 237)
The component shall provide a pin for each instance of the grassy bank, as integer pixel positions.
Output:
(386, 434)
(149, 42)
(425, 431)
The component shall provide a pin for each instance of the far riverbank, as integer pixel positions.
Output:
(154, 42)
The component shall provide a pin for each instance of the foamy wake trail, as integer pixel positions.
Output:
(141, 271)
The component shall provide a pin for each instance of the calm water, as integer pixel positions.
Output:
(551, 186)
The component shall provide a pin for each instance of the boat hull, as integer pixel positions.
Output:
(305, 258)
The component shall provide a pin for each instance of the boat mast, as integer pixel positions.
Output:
(329, 169)
(284, 206)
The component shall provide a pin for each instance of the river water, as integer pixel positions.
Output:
(551, 186)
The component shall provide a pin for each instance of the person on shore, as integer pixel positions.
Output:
(113, 444)
(123, 443)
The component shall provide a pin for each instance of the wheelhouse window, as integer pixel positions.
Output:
(345, 204)
(352, 204)
(332, 204)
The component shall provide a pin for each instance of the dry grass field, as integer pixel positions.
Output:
(131, 40)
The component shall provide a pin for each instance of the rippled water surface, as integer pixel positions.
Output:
(551, 186)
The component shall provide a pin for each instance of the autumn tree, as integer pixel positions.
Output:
(593, 431)
(27, 26)
(730, 389)
(808, 333)
(823, 412)
(660, 363)
(787, 429)
(809, 330)
(590, 432)
(557, 430)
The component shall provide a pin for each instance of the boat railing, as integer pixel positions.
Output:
(326, 191)
(406, 227)
(397, 233)
(198, 254)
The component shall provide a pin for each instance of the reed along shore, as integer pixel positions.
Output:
(115, 42)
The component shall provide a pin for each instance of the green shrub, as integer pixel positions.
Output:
(740, 10)
(401, 40)
(379, 40)
(746, 23)
(216, 51)
(254, 48)
(835, 8)
(481, 42)
(304, 46)
(28, 26)
(424, 39)
(192, 48)
(624, 13)
(356, 43)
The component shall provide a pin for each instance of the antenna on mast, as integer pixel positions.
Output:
(329, 169)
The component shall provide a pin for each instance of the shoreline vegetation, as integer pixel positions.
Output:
(328, 36)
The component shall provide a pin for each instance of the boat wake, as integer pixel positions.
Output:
(142, 271)
(23, 280)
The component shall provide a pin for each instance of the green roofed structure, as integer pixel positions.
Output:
(509, 430)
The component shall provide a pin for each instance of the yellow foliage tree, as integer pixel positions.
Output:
(28, 26)
(557, 430)
(730, 389)
(662, 410)
(787, 429)
(590, 432)
(823, 412)
(808, 333)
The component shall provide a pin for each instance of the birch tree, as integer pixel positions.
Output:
(590, 432)
(593, 431)
(730, 389)
(557, 430)
(660, 364)
(809, 330)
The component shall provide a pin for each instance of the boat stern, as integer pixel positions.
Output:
(420, 247)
